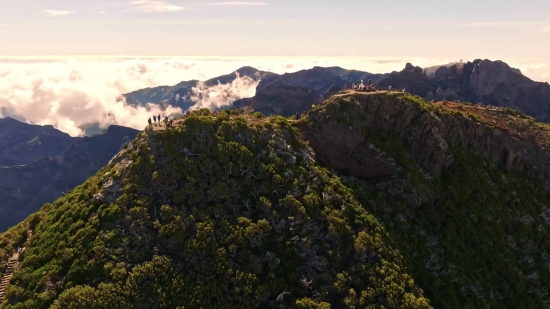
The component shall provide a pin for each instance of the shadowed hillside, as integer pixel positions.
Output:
(22, 143)
(24, 189)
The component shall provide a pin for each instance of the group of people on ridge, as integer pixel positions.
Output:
(156, 122)
(362, 87)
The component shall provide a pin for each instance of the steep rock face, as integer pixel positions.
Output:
(381, 112)
(340, 147)
(284, 100)
(495, 83)
(426, 131)
(411, 78)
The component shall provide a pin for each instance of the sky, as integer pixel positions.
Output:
(66, 62)
(467, 29)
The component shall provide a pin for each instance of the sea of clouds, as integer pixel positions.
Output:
(72, 94)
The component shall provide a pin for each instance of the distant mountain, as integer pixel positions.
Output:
(178, 95)
(354, 76)
(411, 78)
(319, 79)
(295, 93)
(430, 71)
(21, 143)
(24, 189)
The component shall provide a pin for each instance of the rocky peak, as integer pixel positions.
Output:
(412, 71)
(411, 78)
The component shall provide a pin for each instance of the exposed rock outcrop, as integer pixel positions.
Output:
(340, 144)
(411, 78)
(495, 83)
(425, 131)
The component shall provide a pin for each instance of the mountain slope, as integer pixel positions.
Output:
(22, 143)
(432, 207)
(179, 94)
(24, 189)
(319, 79)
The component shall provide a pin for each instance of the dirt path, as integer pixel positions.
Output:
(12, 266)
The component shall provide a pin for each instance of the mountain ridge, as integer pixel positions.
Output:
(240, 200)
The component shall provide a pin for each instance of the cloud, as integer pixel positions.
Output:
(72, 94)
(54, 13)
(221, 95)
(101, 12)
(236, 3)
(546, 30)
(149, 6)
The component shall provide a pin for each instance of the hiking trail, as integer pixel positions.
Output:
(13, 265)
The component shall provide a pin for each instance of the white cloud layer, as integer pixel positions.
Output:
(220, 95)
(55, 13)
(150, 6)
(70, 94)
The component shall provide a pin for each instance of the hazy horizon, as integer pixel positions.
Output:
(73, 92)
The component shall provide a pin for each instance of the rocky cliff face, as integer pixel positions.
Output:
(494, 83)
(515, 143)
(411, 78)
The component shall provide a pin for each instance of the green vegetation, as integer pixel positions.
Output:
(231, 210)
(479, 243)
(213, 214)
(518, 114)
